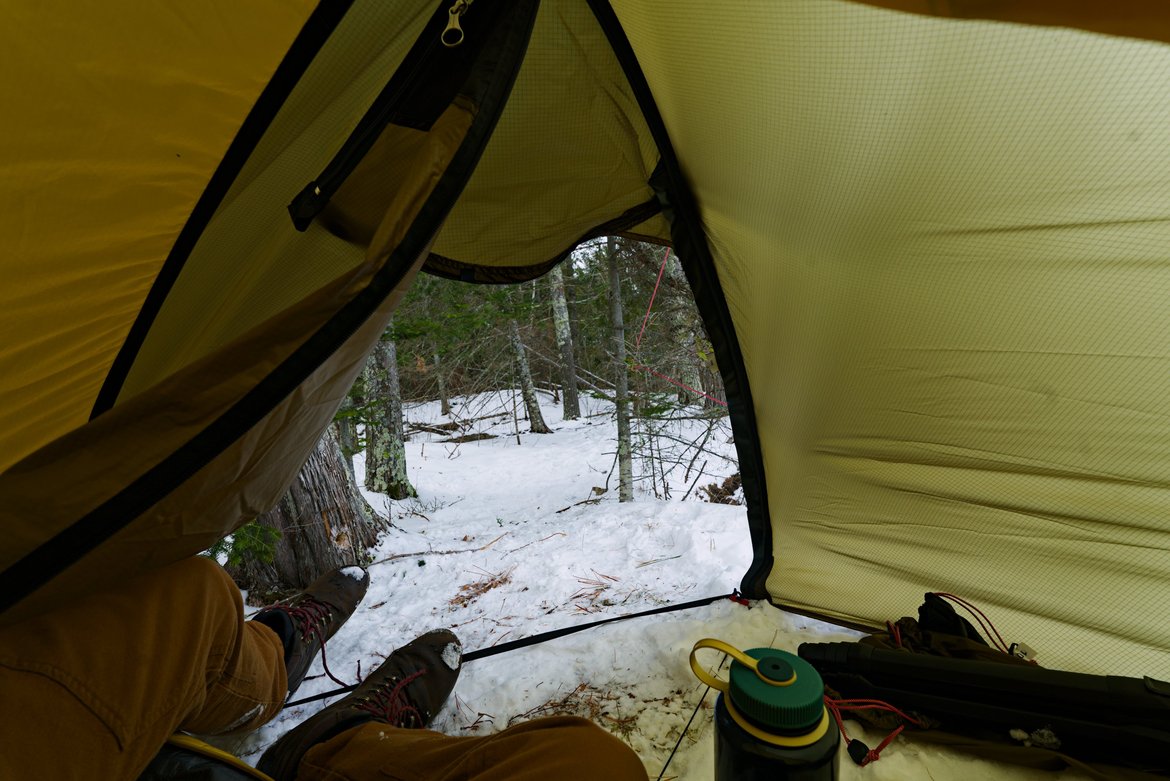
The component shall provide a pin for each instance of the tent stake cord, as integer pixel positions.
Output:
(690, 721)
(483, 653)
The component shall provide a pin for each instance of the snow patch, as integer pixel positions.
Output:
(357, 573)
(576, 554)
(451, 655)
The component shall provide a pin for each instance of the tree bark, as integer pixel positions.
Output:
(621, 377)
(570, 404)
(322, 524)
(536, 422)
(385, 451)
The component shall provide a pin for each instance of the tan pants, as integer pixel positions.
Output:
(93, 690)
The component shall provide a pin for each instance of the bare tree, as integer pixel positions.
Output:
(621, 377)
(571, 405)
(680, 311)
(444, 399)
(536, 422)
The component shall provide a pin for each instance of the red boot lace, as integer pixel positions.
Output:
(311, 617)
(388, 703)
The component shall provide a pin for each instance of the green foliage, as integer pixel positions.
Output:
(658, 404)
(250, 541)
(466, 325)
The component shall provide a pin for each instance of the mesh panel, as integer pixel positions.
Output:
(570, 152)
(251, 263)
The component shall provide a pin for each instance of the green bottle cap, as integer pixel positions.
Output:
(792, 707)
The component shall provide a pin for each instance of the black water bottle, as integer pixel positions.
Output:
(770, 718)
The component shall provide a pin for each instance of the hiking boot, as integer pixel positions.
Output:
(306, 621)
(407, 690)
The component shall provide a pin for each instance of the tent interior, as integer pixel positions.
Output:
(931, 252)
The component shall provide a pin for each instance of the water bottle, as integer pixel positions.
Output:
(771, 723)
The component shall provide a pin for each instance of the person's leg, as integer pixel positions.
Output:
(93, 690)
(564, 748)
(378, 732)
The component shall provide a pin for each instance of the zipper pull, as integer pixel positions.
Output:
(309, 202)
(453, 35)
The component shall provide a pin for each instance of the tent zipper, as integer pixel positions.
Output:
(426, 57)
(453, 35)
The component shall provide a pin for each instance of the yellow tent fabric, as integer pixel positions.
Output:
(944, 246)
(118, 117)
(937, 238)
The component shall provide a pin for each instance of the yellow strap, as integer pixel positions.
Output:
(735, 653)
(199, 747)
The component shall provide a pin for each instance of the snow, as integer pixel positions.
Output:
(452, 655)
(356, 573)
(507, 539)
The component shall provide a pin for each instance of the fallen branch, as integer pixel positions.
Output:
(655, 561)
(583, 501)
(542, 539)
(442, 430)
(397, 556)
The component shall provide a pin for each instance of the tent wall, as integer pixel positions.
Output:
(944, 247)
(257, 338)
(570, 158)
(932, 252)
(117, 119)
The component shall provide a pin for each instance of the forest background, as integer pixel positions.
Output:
(615, 320)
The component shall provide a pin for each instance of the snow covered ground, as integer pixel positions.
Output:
(502, 544)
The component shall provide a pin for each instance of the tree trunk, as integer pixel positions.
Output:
(570, 278)
(680, 319)
(444, 400)
(621, 378)
(535, 420)
(322, 524)
(571, 405)
(347, 437)
(345, 429)
(385, 451)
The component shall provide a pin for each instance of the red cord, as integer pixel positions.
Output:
(646, 319)
(895, 633)
(872, 755)
(989, 628)
(684, 386)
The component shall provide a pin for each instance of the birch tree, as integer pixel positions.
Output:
(570, 404)
(385, 451)
(535, 420)
(621, 377)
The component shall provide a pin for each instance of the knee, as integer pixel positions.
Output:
(589, 749)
